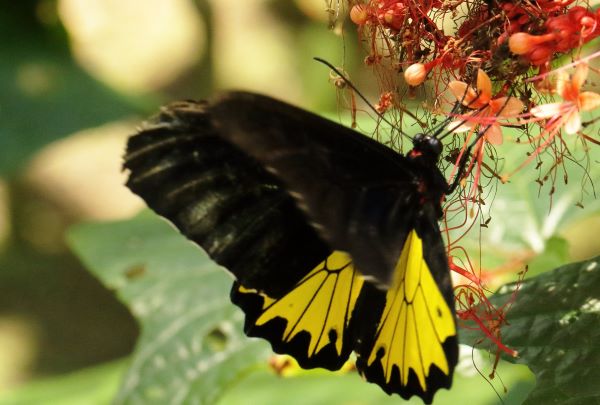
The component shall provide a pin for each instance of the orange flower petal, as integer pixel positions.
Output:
(470, 97)
(573, 122)
(580, 75)
(547, 110)
(513, 107)
(520, 43)
(415, 74)
(463, 92)
(479, 102)
(494, 135)
(484, 86)
(562, 83)
(458, 126)
(588, 101)
(506, 107)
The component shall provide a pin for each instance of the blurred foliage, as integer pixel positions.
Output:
(45, 94)
(529, 223)
(76, 321)
(96, 385)
(50, 306)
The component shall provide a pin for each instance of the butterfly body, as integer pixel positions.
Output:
(332, 237)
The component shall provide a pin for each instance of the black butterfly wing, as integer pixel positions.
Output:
(223, 173)
(295, 291)
(221, 199)
(372, 202)
(359, 194)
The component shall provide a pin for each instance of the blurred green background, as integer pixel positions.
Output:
(76, 77)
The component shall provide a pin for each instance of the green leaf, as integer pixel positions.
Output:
(554, 323)
(191, 346)
(527, 225)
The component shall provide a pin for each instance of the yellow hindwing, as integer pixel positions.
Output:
(321, 303)
(416, 319)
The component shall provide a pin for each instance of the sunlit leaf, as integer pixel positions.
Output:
(526, 222)
(525, 214)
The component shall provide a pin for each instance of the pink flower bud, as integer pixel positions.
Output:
(359, 14)
(522, 43)
(415, 74)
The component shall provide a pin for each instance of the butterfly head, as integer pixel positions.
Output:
(426, 147)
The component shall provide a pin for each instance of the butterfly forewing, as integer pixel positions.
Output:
(358, 193)
(221, 199)
(331, 236)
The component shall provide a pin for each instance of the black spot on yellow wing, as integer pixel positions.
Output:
(413, 351)
(312, 321)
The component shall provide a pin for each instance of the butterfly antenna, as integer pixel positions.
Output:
(441, 126)
(353, 87)
(465, 157)
(452, 112)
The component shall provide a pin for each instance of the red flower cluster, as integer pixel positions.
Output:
(521, 14)
(501, 38)
(477, 56)
(390, 14)
(411, 31)
(560, 33)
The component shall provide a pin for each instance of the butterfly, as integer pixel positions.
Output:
(332, 237)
